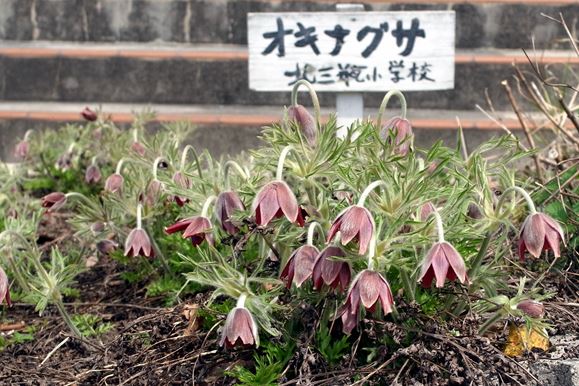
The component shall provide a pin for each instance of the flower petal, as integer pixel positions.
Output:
(534, 234)
(456, 262)
(287, 201)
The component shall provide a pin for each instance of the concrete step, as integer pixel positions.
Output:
(480, 23)
(209, 74)
(231, 129)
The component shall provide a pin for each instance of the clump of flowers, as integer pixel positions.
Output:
(371, 196)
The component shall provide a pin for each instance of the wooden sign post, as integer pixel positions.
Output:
(352, 51)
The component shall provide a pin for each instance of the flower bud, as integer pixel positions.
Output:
(53, 201)
(114, 183)
(305, 122)
(138, 148)
(92, 174)
(532, 308)
(106, 246)
(22, 149)
(402, 131)
(89, 115)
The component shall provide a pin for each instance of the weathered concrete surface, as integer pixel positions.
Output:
(224, 21)
(562, 369)
(128, 80)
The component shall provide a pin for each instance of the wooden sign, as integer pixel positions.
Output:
(352, 51)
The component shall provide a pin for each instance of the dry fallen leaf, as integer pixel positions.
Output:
(521, 340)
(190, 313)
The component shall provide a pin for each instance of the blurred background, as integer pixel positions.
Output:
(187, 60)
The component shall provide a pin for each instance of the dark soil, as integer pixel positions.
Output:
(155, 345)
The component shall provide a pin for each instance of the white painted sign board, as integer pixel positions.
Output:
(352, 51)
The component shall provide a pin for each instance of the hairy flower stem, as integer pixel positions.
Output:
(190, 149)
(523, 192)
(241, 300)
(372, 252)
(156, 167)
(408, 285)
(206, 205)
(313, 96)
(33, 253)
(439, 227)
(28, 134)
(53, 290)
(83, 198)
(22, 283)
(311, 230)
(280, 162)
(228, 165)
(136, 135)
(161, 256)
(310, 189)
(368, 190)
(384, 103)
(66, 316)
(271, 247)
(139, 216)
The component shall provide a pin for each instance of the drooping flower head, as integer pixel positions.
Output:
(368, 289)
(331, 272)
(22, 149)
(154, 191)
(4, 288)
(426, 210)
(92, 174)
(197, 228)
(184, 182)
(299, 266)
(138, 148)
(226, 204)
(275, 200)
(305, 121)
(442, 262)
(64, 161)
(539, 232)
(88, 114)
(138, 243)
(354, 223)
(240, 329)
(106, 246)
(114, 183)
(53, 201)
(532, 308)
(402, 130)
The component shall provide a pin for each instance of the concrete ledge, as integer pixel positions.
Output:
(238, 116)
(210, 52)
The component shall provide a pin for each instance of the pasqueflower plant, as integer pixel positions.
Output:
(389, 216)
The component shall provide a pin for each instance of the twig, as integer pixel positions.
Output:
(532, 94)
(525, 128)
(569, 180)
(537, 72)
(571, 38)
(570, 114)
(367, 377)
(54, 350)
(12, 326)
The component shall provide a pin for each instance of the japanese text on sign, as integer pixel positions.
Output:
(364, 51)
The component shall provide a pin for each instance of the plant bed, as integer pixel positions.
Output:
(315, 260)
